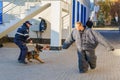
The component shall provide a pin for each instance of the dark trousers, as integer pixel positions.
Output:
(23, 49)
(86, 58)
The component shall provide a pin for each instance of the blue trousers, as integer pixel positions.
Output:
(23, 49)
(86, 58)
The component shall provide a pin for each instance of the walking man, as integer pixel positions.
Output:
(86, 41)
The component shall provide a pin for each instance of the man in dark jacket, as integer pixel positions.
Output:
(42, 25)
(20, 39)
(89, 23)
(86, 41)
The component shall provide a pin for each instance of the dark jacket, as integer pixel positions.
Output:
(89, 24)
(86, 40)
(22, 33)
(42, 25)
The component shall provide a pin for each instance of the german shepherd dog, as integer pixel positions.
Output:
(34, 54)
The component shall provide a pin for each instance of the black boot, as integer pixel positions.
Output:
(1, 45)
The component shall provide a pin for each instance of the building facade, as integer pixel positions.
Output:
(60, 18)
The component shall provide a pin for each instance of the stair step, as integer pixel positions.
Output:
(32, 9)
(32, 6)
(16, 22)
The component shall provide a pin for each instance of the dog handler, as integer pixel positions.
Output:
(86, 41)
(21, 37)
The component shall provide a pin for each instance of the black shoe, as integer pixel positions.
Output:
(23, 62)
(1, 45)
(84, 71)
(92, 67)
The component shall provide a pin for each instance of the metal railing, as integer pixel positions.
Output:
(15, 5)
(7, 4)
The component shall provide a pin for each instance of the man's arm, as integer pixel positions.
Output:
(102, 40)
(68, 41)
(26, 35)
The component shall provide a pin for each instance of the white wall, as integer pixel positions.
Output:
(35, 21)
(66, 25)
(47, 16)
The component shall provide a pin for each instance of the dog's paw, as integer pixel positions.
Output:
(30, 61)
(42, 62)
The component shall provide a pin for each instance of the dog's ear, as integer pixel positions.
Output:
(36, 45)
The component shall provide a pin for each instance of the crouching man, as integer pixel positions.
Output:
(86, 41)
(20, 39)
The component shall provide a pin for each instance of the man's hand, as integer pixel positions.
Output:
(111, 49)
(31, 41)
(47, 47)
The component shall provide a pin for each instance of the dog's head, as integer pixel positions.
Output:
(39, 47)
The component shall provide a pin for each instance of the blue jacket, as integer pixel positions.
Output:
(22, 33)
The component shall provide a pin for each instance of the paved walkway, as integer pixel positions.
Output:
(61, 65)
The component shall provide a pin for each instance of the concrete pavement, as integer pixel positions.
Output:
(61, 65)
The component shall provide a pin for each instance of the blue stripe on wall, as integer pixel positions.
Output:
(1, 11)
(73, 13)
(84, 15)
(78, 10)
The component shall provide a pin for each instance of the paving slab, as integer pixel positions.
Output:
(61, 65)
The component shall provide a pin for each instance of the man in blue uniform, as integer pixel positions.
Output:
(86, 41)
(21, 37)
